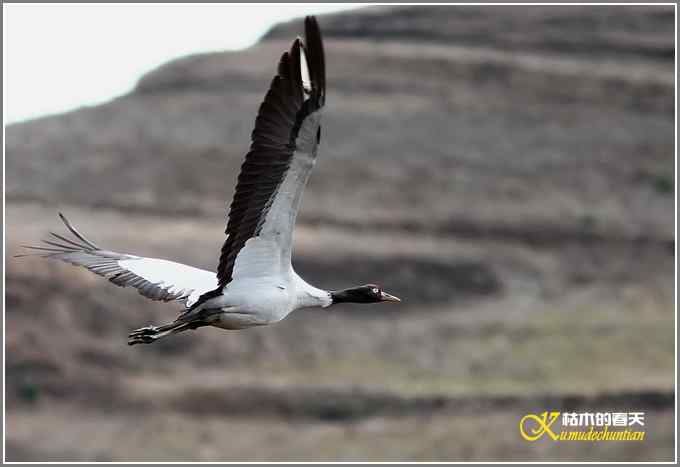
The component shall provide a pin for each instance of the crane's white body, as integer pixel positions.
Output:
(265, 288)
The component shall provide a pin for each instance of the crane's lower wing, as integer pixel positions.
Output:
(157, 279)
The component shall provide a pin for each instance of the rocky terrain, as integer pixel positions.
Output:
(507, 171)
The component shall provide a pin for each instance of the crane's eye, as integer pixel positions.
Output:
(375, 291)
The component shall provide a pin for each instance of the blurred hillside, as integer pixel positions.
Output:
(507, 171)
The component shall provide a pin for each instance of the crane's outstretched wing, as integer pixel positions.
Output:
(157, 279)
(277, 167)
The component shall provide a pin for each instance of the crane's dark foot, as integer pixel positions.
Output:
(150, 334)
(145, 335)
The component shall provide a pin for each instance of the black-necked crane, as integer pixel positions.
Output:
(255, 282)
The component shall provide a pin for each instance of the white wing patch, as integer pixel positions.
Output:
(259, 257)
(175, 278)
(304, 72)
(279, 222)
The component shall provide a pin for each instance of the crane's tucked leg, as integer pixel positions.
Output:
(150, 334)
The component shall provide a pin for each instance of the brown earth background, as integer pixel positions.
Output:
(507, 171)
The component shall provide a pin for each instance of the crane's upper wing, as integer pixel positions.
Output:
(157, 279)
(276, 169)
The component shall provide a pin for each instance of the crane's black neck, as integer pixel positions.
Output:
(354, 295)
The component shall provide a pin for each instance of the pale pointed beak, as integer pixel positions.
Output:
(385, 297)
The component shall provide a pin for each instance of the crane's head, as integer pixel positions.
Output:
(369, 293)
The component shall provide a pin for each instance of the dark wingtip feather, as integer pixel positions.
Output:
(64, 239)
(76, 233)
(295, 72)
(315, 57)
(65, 248)
(283, 65)
(42, 248)
(311, 23)
(55, 248)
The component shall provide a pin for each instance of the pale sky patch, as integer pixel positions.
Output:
(61, 57)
